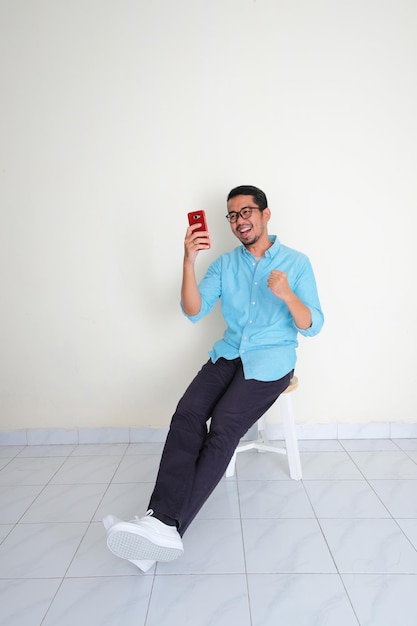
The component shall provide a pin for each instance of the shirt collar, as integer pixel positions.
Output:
(272, 251)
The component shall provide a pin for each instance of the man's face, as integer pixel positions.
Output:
(248, 229)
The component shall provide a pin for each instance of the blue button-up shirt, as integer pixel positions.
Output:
(260, 329)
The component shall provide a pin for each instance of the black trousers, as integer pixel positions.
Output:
(196, 456)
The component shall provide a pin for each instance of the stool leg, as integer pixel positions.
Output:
(262, 437)
(231, 467)
(288, 422)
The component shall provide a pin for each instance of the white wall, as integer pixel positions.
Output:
(119, 116)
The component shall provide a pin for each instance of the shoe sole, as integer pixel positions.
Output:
(144, 566)
(135, 547)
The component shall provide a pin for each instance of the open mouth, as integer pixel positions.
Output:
(244, 230)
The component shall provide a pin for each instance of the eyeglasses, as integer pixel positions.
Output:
(246, 212)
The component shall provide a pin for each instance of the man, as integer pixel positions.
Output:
(268, 294)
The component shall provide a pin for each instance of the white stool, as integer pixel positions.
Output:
(263, 444)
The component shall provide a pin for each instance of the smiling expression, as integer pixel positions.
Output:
(250, 230)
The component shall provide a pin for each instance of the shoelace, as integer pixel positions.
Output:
(137, 519)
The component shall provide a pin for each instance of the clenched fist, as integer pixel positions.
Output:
(278, 284)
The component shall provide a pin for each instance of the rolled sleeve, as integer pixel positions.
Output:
(317, 320)
(210, 291)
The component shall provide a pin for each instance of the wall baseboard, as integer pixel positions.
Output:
(41, 436)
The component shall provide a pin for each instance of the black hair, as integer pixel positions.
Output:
(249, 190)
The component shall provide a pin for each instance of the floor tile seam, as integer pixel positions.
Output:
(323, 451)
(411, 480)
(371, 519)
(44, 483)
(107, 576)
(112, 482)
(64, 459)
(318, 574)
(242, 534)
(328, 546)
(307, 495)
(347, 480)
(22, 578)
(93, 521)
(395, 574)
(290, 481)
(361, 519)
(103, 482)
(378, 497)
(21, 454)
(52, 600)
(354, 517)
(355, 464)
(406, 452)
(398, 448)
(401, 439)
(150, 598)
(387, 452)
(307, 479)
(322, 532)
(335, 479)
(54, 522)
(79, 446)
(395, 519)
(78, 546)
(299, 572)
(86, 457)
(9, 460)
(134, 455)
(349, 599)
(397, 478)
(240, 518)
(106, 490)
(78, 484)
(143, 452)
(157, 574)
(43, 486)
(280, 518)
(19, 521)
(95, 456)
(364, 572)
(49, 456)
(21, 447)
(395, 443)
(304, 517)
(13, 526)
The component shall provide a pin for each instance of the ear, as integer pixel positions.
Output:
(267, 214)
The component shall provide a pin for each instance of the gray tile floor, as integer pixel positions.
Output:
(338, 548)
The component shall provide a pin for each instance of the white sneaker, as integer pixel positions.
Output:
(143, 541)
(144, 565)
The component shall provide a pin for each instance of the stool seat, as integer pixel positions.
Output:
(262, 444)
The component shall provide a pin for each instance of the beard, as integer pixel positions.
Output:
(251, 242)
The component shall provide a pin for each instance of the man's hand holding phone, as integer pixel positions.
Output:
(197, 236)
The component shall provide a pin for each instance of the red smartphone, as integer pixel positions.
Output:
(198, 217)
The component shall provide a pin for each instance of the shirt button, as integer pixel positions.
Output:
(250, 321)
(253, 303)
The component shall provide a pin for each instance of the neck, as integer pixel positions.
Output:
(258, 248)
